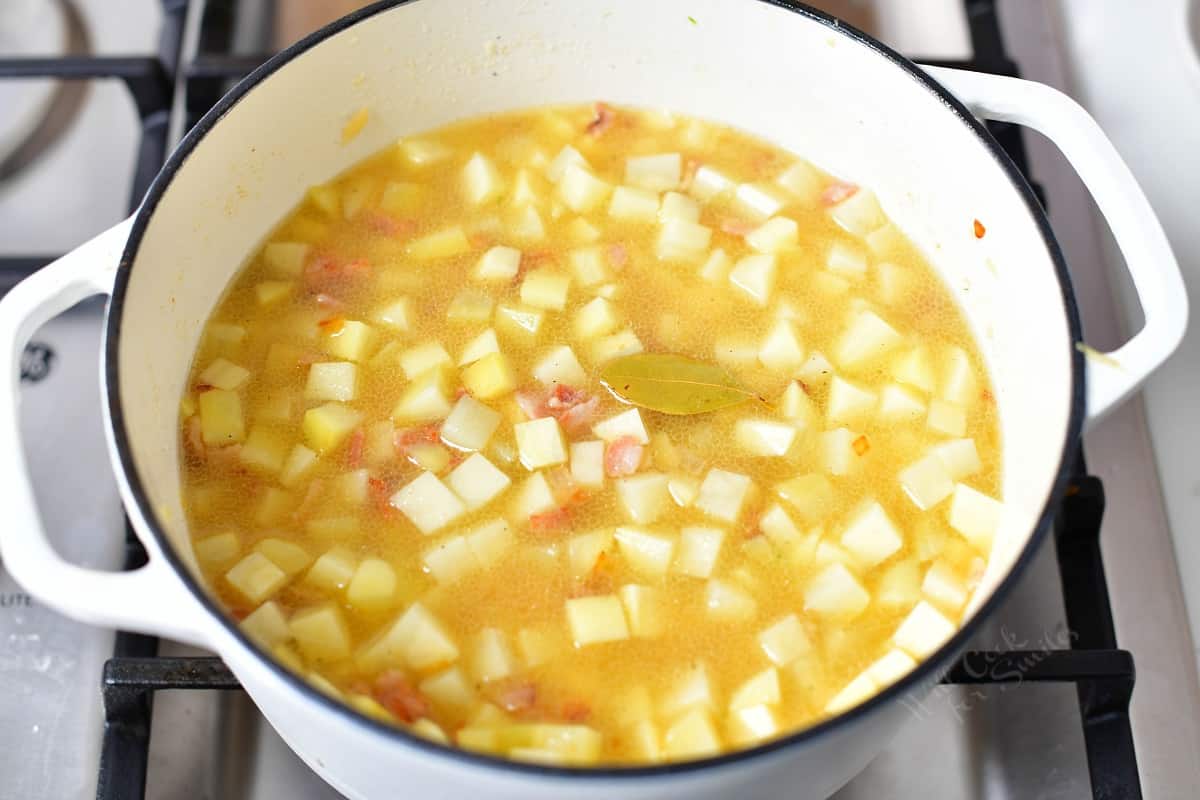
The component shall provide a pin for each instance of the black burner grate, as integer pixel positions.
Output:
(1103, 674)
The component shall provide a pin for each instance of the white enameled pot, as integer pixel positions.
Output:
(779, 70)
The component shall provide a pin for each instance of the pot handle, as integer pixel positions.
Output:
(1111, 377)
(150, 599)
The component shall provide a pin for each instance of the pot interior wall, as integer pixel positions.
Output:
(750, 64)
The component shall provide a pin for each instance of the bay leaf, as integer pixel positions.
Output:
(672, 384)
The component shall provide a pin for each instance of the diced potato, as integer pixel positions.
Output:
(489, 541)
(332, 528)
(286, 259)
(587, 463)
(761, 437)
(470, 305)
(450, 690)
(477, 481)
(256, 577)
(581, 190)
(692, 736)
(596, 318)
(422, 152)
(891, 667)
(678, 206)
(321, 633)
(777, 233)
(755, 277)
(597, 619)
(428, 456)
(946, 417)
(492, 658)
(395, 315)
(267, 625)
(445, 243)
(470, 424)
(418, 360)
(327, 426)
(926, 482)
(872, 537)
(417, 637)
(761, 689)
(681, 240)
(816, 370)
(709, 183)
(958, 380)
(657, 173)
(715, 268)
(331, 380)
(898, 404)
(867, 339)
(699, 549)
(781, 350)
(631, 204)
(585, 549)
(528, 226)
(645, 741)
(482, 182)
(268, 293)
(846, 262)
(401, 197)
(959, 457)
(581, 231)
(810, 495)
(587, 266)
(727, 602)
(827, 553)
(533, 497)
(644, 497)
(785, 641)
(498, 263)
(489, 377)
(352, 486)
(264, 450)
(752, 724)
(333, 570)
(795, 404)
(895, 283)
(684, 489)
(221, 421)
(758, 201)
(944, 587)
(224, 374)
(837, 451)
(779, 529)
(540, 443)
(857, 691)
(647, 553)
(373, 586)
(352, 342)
(735, 353)
(274, 507)
(544, 288)
(694, 689)
(218, 550)
(519, 322)
(288, 556)
(225, 335)
(723, 493)
(644, 610)
(802, 180)
(482, 345)
(975, 515)
(923, 631)
(620, 344)
(379, 445)
(428, 503)
(566, 157)
(627, 423)
(859, 213)
(914, 369)
(560, 366)
(451, 559)
(537, 646)
(835, 592)
(899, 585)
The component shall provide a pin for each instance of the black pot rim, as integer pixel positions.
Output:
(927, 670)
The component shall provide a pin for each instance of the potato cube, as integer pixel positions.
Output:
(264, 450)
(699, 549)
(274, 507)
(417, 637)
(681, 240)
(752, 724)
(759, 201)
(218, 550)
(692, 736)
(846, 262)
(489, 377)
(422, 358)
(566, 157)
(492, 659)
(482, 345)
(872, 537)
(810, 495)
(395, 315)
(627, 423)
(959, 457)
(858, 690)
(694, 689)
(221, 420)
(498, 263)
(585, 549)
(269, 293)
(451, 559)
(470, 424)
(795, 404)
(754, 276)
(333, 570)
(445, 243)
(923, 631)
(656, 173)
(482, 182)
(899, 586)
(727, 602)
(428, 503)
(781, 350)
(450, 691)
(597, 619)
(537, 646)
(944, 587)
(470, 305)
(709, 183)
(351, 342)
(913, 368)
(761, 689)
(428, 456)
(678, 206)
(587, 463)
(285, 259)
(327, 426)
(321, 633)
(402, 197)
(643, 610)
(835, 592)
(760, 437)
(422, 152)
(647, 553)
(631, 204)
(975, 515)
(560, 366)
(891, 667)
(716, 266)
(225, 335)
(958, 379)
(859, 213)
(489, 541)
(424, 399)
(722, 494)
(223, 374)
(544, 288)
(785, 641)
(868, 339)
(625, 343)
(540, 443)
(946, 417)
(897, 404)
(777, 233)
(267, 625)
(332, 528)
(684, 489)
(849, 404)
(596, 318)
(582, 191)
(645, 741)
(256, 577)
(373, 586)
(802, 180)
(926, 482)
(837, 451)
(644, 497)
(477, 481)
(331, 380)
(288, 556)
(533, 497)
(779, 529)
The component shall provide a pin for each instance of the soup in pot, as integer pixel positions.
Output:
(591, 435)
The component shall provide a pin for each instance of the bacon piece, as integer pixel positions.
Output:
(386, 224)
(837, 192)
(381, 493)
(517, 697)
(313, 496)
(573, 408)
(580, 416)
(324, 275)
(618, 255)
(548, 521)
(603, 120)
(227, 457)
(689, 173)
(622, 456)
(203, 387)
(564, 488)
(395, 693)
(354, 448)
(576, 711)
(193, 440)
(430, 433)
(736, 226)
(332, 325)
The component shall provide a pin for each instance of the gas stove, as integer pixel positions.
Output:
(1044, 705)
